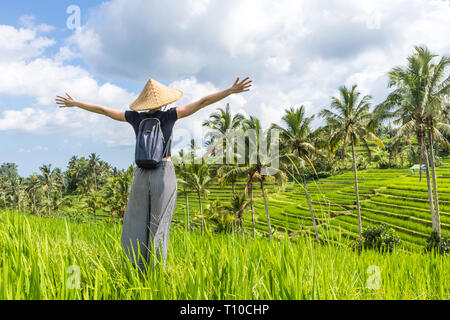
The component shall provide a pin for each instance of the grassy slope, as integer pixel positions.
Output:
(35, 254)
(394, 197)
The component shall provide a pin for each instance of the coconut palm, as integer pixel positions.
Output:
(117, 190)
(94, 164)
(228, 173)
(46, 183)
(9, 169)
(79, 176)
(4, 190)
(31, 188)
(183, 169)
(349, 119)
(93, 202)
(259, 165)
(435, 130)
(15, 187)
(227, 179)
(220, 216)
(437, 109)
(295, 140)
(222, 124)
(239, 204)
(417, 103)
(197, 178)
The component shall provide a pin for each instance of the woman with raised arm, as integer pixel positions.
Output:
(152, 198)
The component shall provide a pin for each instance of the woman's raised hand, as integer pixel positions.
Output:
(241, 86)
(66, 102)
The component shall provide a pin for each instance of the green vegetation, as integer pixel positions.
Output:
(241, 233)
(393, 197)
(37, 253)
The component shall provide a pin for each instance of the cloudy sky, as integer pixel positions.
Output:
(296, 52)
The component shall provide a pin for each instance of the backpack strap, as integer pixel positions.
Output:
(167, 147)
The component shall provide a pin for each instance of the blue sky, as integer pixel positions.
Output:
(297, 52)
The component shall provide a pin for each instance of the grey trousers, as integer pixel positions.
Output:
(147, 220)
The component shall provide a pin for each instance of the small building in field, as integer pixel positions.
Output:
(415, 169)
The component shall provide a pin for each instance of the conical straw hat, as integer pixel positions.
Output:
(155, 95)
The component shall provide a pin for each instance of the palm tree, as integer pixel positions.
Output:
(3, 189)
(57, 199)
(9, 169)
(258, 166)
(437, 109)
(183, 169)
(221, 216)
(94, 164)
(198, 179)
(349, 119)
(239, 204)
(117, 190)
(435, 130)
(226, 179)
(15, 184)
(31, 188)
(93, 202)
(78, 175)
(228, 173)
(295, 139)
(416, 104)
(46, 182)
(222, 123)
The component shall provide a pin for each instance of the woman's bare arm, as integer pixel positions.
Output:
(193, 107)
(67, 102)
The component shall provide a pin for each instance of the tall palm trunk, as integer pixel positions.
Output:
(33, 205)
(310, 209)
(187, 207)
(201, 211)
(232, 188)
(18, 199)
(95, 180)
(267, 209)
(424, 154)
(253, 211)
(355, 172)
(48, 199)
(435, 189)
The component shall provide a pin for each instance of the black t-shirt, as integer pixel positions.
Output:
(167, 119)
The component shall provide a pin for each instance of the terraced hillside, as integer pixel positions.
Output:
(394, 197)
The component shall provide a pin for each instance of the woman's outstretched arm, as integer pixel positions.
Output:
(67, 102)
(193, 107)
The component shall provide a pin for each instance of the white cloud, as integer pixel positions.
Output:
(21, 43)
(66, 54)
(43, 78)
(36, 148)
(297, 52)
(40, 148)
(28, 22)
(278, 64)
(25, 73)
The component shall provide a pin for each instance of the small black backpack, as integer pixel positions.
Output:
(149, 144)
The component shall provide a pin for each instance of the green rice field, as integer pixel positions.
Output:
(393, 197)
(43, 258)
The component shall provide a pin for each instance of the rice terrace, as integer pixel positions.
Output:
(37, 250)
(343, 200)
